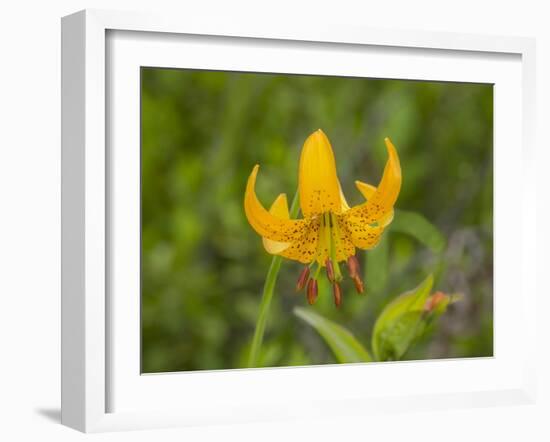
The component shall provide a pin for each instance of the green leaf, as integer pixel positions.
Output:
(417, 226)
(396, 340)
(398, 324)
(344, 345)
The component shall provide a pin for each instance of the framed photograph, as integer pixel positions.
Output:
(266, 222)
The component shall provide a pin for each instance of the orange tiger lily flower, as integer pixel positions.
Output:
(330, 230)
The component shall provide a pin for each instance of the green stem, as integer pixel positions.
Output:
(317, 272)
(269, 286)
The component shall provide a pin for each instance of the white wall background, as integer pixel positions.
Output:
(30, 216)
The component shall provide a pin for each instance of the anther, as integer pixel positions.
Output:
(312, 291)
(358, 284)
(337, 293)
(303, 278)
(353, 266)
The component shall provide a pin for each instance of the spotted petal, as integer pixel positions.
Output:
(361, 235)
(279, 208)
(303, 249)
(343, 202)
(368, 190)
(380, 202)
(309, 247)
(267, 224)
(318, 182)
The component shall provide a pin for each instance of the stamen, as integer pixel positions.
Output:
(353, 266)
(330, 270)
(328, 233)
(337, 293)
(312, 291)
(303, 278)
(330, 225)
(358, 284)
(336, 244)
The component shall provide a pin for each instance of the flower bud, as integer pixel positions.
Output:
(434, 300)
(303, 278)
(312, 291)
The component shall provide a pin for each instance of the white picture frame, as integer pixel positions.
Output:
(91, 357)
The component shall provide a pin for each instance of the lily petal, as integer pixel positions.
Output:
(343, 239)
(363, 236)
(343, 203)
(318, 182)
(382, 200)
(308, 248)
(267, 224)
(368, 190)
(278, 208)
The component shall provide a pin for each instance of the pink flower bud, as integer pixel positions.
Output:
(434, 300)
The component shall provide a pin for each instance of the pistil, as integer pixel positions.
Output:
(329, 237)
(330, 225)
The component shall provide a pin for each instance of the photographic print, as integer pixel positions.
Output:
(297, 220)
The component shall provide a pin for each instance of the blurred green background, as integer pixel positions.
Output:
(203, 266)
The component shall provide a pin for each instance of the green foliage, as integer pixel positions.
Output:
(377, 267)
(411, 224)
(204, 269)
(414, 224)
(340, 340)
(400, 323)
